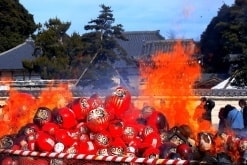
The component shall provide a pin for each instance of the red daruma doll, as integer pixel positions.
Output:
(116, 127)
(95, 101)
(65, 118)
(98, 119)
(80, 107)
(45, 142)
(43, 115)
(118, 102)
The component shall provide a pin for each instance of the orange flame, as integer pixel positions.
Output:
(19, 110)
(171, 76)
(55, 97)
(21, 107)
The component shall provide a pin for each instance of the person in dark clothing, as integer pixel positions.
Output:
(243, 105)
(222, 119)
(203, 110)
(210, 104)
(222, 115)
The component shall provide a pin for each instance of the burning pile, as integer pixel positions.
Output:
(114, 126)
(110, 127)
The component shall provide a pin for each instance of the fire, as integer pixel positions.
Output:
(19, 111)
(21, 107)
(55, 98)
(171, 76)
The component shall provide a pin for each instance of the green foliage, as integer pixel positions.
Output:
(55, 68)
(104, 35)
(102, 47)
(53, 41)
(227, 34)
(58, 56)
(240, 78)
(28, 65)
(16, 24)
(212, 43)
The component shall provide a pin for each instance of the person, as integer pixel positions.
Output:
(204, 109)
(234, 118)
(243, 106)
(210, 104)
(222, 115)
(200, 109)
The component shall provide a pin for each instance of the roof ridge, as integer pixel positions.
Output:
(14, 48)
(169, 40)
(144, 31)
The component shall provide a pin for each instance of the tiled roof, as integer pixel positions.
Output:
(136, 39)
(12, 59)
(208, 76)
(208, 80)
(152, 47)
(142, 44)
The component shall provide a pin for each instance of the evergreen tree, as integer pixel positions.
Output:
(16, 24)
(214, 59)
(103, 49)
(225, 35)
(52, 41)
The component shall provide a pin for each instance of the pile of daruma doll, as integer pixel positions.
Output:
(109, 127)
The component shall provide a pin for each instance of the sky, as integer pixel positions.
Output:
(179, 18)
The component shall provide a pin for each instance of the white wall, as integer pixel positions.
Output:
(219, 102)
